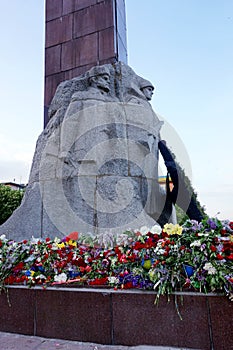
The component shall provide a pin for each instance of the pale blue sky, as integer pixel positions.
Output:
(184, 47)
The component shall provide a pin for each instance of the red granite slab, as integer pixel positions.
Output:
(17, 311)
(59, 30)
(51, 83)
(92, 19)
(53, 60)
(118, 317)
(80, 4)
(87, 50)
(76, 71)
(106, 43)
(68, 53)
(136, 320)
(109, 60)
(68, 6)
(104, 12)
(221, 316)
(53, 9)
(74, 315)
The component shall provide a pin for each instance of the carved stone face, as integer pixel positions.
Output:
(102, 82)
(148, 92)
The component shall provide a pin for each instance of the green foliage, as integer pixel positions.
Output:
(181, 215)
(9, 201)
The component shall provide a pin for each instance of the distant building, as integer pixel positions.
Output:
(14, 186)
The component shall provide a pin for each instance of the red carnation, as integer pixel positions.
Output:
(230, 257)
(127, 285)
(220, 257)
(98, 281)
(213, 248)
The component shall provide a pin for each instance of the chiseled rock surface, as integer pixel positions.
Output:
(95, 166)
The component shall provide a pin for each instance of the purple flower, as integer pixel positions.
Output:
(203, 246)
(212, 224)
(219, 247)
(196, 226)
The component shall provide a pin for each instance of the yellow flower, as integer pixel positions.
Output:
(72, 243)
(61, 245)
(172, 229)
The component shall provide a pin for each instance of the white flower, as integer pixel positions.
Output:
(30, 258)
(42, 277)
(195, 244)
(122, 239)
(34, 240)
(159, 248)
(210, 268)
(60, 278)
(113, 280)
(156, 229)
(106, 239)
(3, 237)
(144, 230)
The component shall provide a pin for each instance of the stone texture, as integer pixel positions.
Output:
(53, 60)
(26, 220)
(95, 166)
(106, 43)
(80, 4)
(222, 322)
(150, 322)
(93, 19)
(124, 319)
(79, 35)
(82, 323)
(87, 50)
(59, 30)
(79, 52)
(68, 6)
(17, 311)
(51, 83)
(53, 9)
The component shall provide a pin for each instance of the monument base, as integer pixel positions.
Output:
(121, 317)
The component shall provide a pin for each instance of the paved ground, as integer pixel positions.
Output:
(10, 341)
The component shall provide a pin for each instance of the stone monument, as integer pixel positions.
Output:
(95, 167)
(80, 34)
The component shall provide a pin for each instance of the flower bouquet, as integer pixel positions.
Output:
(192, 257)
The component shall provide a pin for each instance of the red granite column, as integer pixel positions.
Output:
(81, 34)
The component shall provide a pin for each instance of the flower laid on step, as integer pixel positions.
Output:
(192, 257)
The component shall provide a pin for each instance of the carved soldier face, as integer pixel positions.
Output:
(101, 82)
(148, 92)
